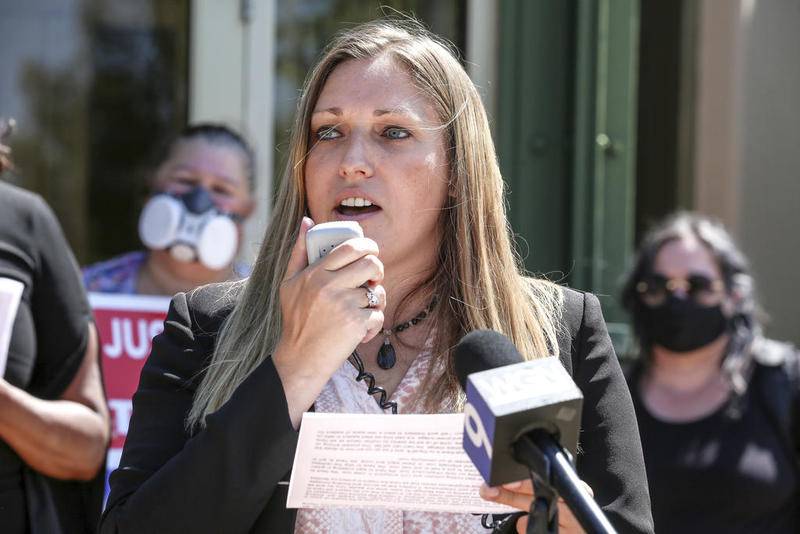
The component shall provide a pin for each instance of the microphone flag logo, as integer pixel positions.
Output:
(479, 426)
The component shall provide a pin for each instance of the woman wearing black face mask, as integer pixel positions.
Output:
(717, 404)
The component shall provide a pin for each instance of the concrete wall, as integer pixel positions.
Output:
(717, 109)
(768, 225)
(747, 142)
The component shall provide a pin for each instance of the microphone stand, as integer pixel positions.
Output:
(543, 517)
(552, 474)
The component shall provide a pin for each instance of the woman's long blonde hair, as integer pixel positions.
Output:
(478, 280)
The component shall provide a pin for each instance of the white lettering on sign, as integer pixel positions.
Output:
(121, 414)
(123, 340)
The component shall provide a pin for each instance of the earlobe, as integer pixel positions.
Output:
(731, 302)
(736, 297)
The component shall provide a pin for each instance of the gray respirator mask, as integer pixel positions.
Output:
(191, 227)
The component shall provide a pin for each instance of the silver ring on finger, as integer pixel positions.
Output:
(372, 298)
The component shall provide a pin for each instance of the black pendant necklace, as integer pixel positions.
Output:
(386, 354)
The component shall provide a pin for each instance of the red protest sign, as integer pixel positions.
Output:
(127, 325)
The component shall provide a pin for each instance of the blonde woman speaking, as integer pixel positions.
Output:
(391, 133)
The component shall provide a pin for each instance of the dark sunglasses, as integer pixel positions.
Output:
(655, 288)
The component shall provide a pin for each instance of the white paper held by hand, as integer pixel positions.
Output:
(10, 295)
(398, 462)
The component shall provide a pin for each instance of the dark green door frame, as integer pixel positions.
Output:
(534, 127)
(604, 216)
(567, 138)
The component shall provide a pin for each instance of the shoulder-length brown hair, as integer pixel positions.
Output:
(478, 280)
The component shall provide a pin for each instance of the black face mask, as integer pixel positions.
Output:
(682, 325)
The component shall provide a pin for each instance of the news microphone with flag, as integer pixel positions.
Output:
(508, 397)
(519, 417)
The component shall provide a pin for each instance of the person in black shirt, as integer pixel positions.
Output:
(54, 424)
(717, 404)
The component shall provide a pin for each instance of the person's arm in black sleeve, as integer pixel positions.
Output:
(59, 423)
(610, 460)
(218, 480)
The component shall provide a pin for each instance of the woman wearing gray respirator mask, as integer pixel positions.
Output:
(717, 404)
(191, 225)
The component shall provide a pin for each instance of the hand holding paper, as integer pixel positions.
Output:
(406, 462)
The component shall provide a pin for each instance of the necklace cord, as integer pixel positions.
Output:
(387, 356)
(413, 321)
(369, 380)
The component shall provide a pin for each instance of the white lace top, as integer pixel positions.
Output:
(342, 394)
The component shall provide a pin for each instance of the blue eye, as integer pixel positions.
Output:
(327, 132)
(394, 132)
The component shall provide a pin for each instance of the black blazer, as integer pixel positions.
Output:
(232, 476)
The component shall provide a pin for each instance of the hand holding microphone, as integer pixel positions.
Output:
(325, 314)
(520, 495)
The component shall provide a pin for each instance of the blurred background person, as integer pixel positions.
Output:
(717, 403)
(54, 425)
(192, 222)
